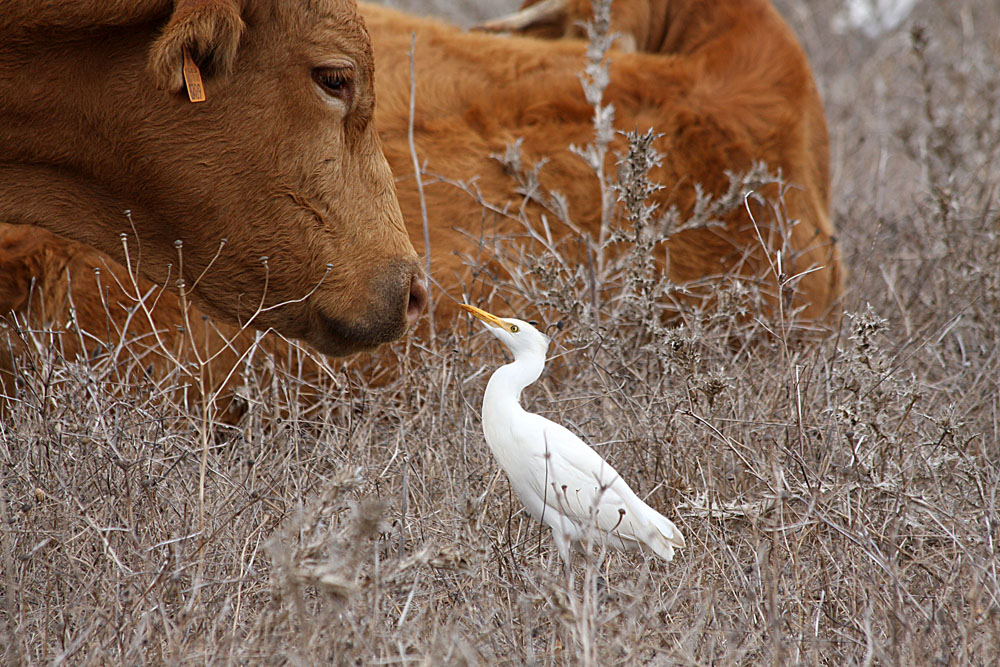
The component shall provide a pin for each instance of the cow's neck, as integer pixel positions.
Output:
(65, 164)
(694, 25)
(71, 207)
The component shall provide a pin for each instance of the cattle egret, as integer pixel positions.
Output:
(562, 482)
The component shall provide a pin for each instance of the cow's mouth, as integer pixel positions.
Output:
(337, 336)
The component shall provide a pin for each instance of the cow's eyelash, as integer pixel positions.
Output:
(334, 77)
(335, 81)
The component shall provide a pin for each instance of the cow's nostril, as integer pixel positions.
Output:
(418, 299)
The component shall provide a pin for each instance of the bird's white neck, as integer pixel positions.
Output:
(508, 381)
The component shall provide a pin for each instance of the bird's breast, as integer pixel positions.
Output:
(511, 438)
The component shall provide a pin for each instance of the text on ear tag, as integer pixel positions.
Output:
(192, 79)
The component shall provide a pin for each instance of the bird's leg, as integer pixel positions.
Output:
(603, 591)
(602, 586)
(563, 547)
(600, 566)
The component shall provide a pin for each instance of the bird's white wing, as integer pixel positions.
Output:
(570, 487)
(565, 475)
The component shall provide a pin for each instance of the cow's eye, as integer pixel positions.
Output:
(337, 82)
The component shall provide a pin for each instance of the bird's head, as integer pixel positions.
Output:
(519, 336)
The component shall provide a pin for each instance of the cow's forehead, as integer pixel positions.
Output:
(317, 25)
(338, 16)
(341, 11)
(309, 11)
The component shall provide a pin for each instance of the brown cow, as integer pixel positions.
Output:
(271, 201)
(732, 89)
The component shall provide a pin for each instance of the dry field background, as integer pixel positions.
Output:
(839, 497)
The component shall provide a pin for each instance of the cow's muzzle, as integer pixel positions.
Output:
(396, 304)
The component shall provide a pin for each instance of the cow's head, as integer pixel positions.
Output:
(271, 200)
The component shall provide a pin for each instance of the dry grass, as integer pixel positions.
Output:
(839, 497)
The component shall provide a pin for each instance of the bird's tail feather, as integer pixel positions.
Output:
(663, 536)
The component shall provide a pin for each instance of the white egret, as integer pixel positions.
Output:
(562, 482)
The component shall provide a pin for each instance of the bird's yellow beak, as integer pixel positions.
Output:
(490, 319)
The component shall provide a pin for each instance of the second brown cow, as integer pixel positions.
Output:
(729, 88)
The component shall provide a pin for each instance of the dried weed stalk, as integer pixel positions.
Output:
(839, 497)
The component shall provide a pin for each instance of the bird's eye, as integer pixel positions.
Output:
(514, 328)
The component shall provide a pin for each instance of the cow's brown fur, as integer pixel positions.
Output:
(99, 145)
(653, 26)
(740, 91)
(130, 328)
(733, 89)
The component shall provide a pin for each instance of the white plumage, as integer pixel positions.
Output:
(562, 481)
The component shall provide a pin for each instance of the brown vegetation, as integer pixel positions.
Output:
(840, 498)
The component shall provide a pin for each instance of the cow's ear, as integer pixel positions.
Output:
(209, 29)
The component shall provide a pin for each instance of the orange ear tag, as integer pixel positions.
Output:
(192, 79)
